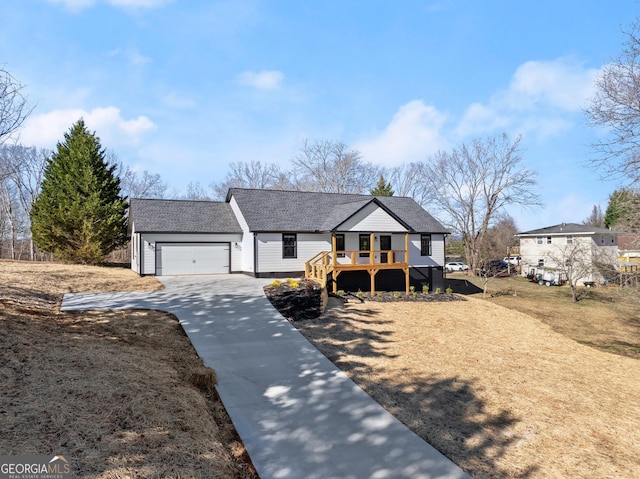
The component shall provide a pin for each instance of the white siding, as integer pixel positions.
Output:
(148, 246)
(437, 251)
(269, 252)
(135, 253)
(595, 246)
(246, 245)
(372, 218)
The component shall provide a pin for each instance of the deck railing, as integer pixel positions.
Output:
(326, 262)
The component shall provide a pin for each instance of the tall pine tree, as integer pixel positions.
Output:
(80, 214)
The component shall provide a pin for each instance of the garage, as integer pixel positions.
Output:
(191, 258)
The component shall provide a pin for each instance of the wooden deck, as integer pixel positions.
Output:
(335, 262)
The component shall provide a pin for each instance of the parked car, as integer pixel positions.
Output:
(496, 267)
(514, 260)
(456, 266)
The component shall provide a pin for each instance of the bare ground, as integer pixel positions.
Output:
(119, 394)
(501, 393)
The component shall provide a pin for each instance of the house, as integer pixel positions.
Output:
(575, 249)
(351, 241)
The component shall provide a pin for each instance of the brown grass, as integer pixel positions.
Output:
(120, 394)
(498, 391)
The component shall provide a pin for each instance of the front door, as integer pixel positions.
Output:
(385, 246)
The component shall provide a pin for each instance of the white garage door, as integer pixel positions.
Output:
(191, 258)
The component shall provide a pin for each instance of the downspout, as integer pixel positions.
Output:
(255, 255)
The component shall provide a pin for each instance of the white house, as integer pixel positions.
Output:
(569, 248)
(355, 240)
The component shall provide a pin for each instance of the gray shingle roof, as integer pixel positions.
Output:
(275, 210)
(182, 216)
(567, 228)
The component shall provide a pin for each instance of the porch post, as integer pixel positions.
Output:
(372, 261)
(333, 262)
(406, 260)
(371, 249)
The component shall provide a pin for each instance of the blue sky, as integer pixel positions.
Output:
(183, 88)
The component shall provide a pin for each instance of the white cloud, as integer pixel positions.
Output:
(413, 133)
(263, 80)
(542, 97)
(74, 5)
(138, 3)
(77, 5)
(48, 129)
(560, 83)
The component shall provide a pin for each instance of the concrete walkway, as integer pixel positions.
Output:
(298, 415)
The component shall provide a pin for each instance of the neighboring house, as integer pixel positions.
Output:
(628, 253)
(570, 248)
(352, 241)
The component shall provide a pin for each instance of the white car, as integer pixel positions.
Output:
(456, 266)
(514, 260)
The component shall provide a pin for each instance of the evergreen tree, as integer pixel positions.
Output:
(623, 211)
(382, 188)
(80, 214)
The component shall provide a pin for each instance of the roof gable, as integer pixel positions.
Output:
(372, 216)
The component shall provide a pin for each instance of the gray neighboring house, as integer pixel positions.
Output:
(351, 241)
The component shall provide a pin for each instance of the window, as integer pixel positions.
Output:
(548, 239)
(541, 263)
(569, 239)
(425, 245)
(340, 245)
(289, 245)
(539, 239)
(365, 245)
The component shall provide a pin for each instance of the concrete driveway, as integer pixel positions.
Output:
(297, 414)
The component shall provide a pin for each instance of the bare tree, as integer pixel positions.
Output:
(141, 184)
(575, 261)
(195, 191)
(21, 173)
(474, 183)
(331, 167)
(500, 238)
(253, 174)
(13, 105)
(596, 218)
(409, 180)
(616, 107)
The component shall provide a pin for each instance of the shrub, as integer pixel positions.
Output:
(276, 283)
(293, 282)
(396, 294)
(438, 290)
(412, 289)
(425, 288)
(449, 290)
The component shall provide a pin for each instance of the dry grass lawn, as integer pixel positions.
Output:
(500, 392)
(522, 384)
(119, 394)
